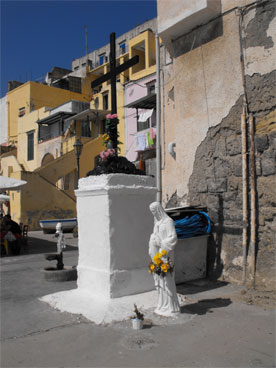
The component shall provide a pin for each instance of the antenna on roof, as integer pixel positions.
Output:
(86, 29)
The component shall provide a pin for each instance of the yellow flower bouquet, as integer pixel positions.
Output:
(161, 264)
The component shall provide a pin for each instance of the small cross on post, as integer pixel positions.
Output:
(114, 71)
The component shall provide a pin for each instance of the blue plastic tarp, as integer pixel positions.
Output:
(195, 225)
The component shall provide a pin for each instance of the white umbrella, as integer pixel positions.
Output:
(7, 183)
(4, 198)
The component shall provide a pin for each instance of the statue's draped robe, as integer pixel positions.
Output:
(164, 237)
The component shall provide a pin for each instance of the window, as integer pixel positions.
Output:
(85, 128)
(76, 68)
(66, 182)
(21, 111)
(30, 153)
(97, 90)
(153, 119)
(105, 101)
(101, 59)
(123, 47)
(144, 120)
(102, 127)
(151, 87)
(142, 125)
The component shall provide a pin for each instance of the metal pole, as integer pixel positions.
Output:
(86, 48)
(78, 168)
(158, 122)
(253, 199)
(245, 193)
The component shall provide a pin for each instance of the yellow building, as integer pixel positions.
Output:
(44, 122)
(31, 96)
(47, 162)
(142, 45)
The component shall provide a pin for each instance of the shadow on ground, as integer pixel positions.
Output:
(205, 305)
(38, 246)
(198, 286)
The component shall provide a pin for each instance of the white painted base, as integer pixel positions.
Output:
(100, 310)
(114, 226)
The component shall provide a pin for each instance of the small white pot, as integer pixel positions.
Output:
(137, 324)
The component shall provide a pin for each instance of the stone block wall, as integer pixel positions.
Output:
(217, 181)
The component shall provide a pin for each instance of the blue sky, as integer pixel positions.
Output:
(37, 35)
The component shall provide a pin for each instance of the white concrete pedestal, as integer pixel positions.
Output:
(114, 227)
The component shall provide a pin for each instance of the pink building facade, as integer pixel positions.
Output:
(140, 118)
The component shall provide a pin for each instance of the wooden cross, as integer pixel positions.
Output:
(114, 71)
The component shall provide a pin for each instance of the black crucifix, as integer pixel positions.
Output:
(114, 71)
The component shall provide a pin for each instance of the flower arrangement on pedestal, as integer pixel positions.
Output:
(109, 162)
(110, 138)
(110, 152)
(112, 134)
(161, 264)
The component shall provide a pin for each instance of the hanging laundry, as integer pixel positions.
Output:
(152, 133)
(141, 142)
(150, 140)
(144, 116)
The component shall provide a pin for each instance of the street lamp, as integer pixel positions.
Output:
(78, 148)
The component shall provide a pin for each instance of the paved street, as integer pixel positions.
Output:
(215, 329)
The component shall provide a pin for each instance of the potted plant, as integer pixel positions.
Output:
(137, 319)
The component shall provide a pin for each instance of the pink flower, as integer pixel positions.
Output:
(109, 116)
(108, 153)
(114, 116)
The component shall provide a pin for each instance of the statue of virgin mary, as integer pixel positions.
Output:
(163, 240)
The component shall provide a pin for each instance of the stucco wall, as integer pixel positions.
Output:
(181, 16)
(9, 163)
(200, 87)
(52, 147)
(33, 96)
(40, 200)
(3, 120)
(202, 104)
(26, 124)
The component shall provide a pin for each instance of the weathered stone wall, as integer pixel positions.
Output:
(215, 175)
(217, 182)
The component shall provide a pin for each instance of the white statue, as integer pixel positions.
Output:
(61, 241)
(161, 250)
